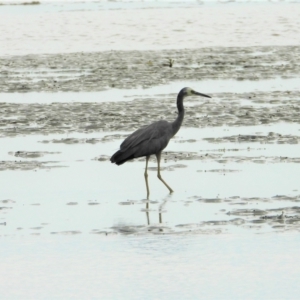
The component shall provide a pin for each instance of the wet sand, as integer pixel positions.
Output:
(90, 72)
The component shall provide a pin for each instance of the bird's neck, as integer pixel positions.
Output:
(177, 123)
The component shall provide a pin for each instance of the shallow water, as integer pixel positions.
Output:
(205, 266)
(213, 86)
(97, 29)
(50, 170)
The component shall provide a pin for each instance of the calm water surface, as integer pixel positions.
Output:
(201, 266)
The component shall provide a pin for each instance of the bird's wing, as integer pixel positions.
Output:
(153, 131)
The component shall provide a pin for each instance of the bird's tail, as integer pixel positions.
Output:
(120, 157)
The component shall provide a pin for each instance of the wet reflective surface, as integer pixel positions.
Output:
(93, 29)
(74, 174)
(191, 267)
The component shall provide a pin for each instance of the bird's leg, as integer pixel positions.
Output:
(160, 217)
(146, 179)
(158, 156)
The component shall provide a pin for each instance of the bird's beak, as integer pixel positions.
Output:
(199, 94)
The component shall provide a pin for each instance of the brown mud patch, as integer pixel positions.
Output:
(133, 69)
(282, 218)
(271, 138)
(72, 141)
(5, 206)
(90, 72)
(279, 220)
(31, 154)
(237, 200)
(69, 232)
(22, 3)
(223, 110)
(29, 165)
(160, 229)
(173, 156)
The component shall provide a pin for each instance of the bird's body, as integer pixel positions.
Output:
(145, 141)
(153, 138)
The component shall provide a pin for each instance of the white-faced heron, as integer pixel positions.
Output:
(153, 139)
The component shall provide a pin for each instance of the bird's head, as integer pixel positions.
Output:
(190, 92)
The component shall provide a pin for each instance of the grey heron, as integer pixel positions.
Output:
(153, 139)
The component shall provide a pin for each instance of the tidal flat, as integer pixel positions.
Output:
(234, 134)
(99, 71)
(75, 226)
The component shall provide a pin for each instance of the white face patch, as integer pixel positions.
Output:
(189, 92)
